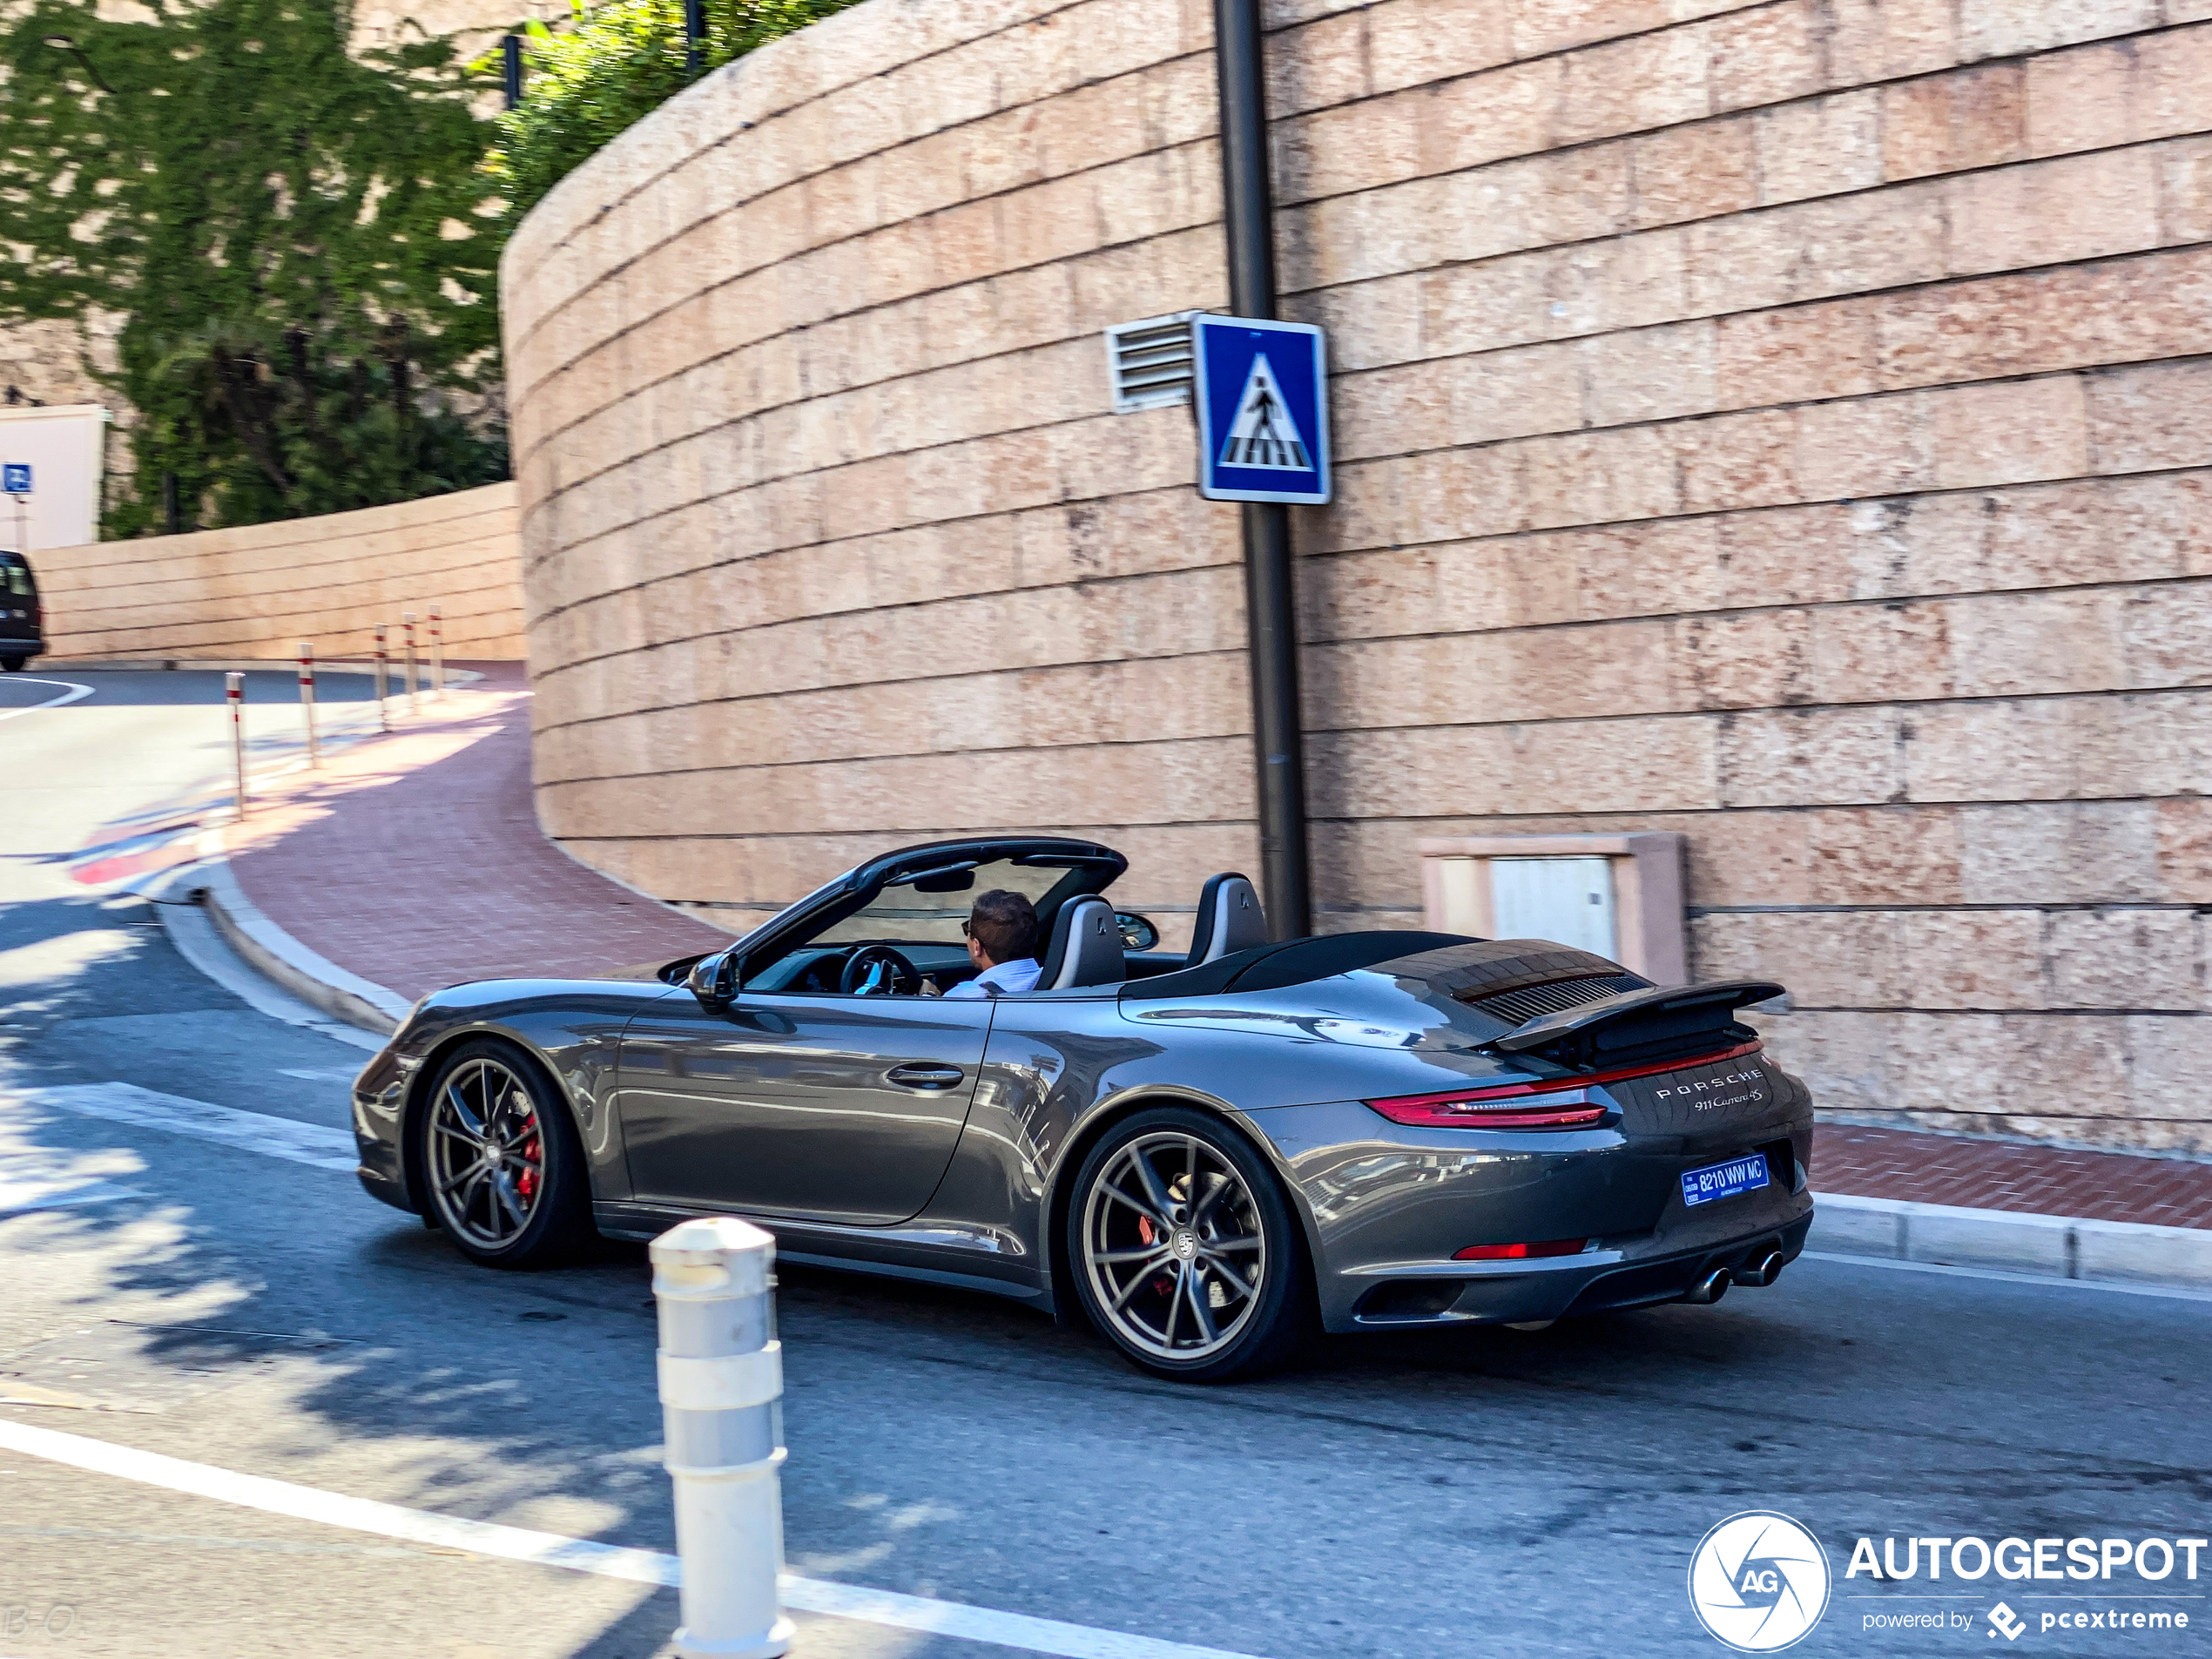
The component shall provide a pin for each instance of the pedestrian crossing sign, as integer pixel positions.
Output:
(1263, 406)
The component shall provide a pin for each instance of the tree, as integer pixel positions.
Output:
(612, 67)
(299, 239)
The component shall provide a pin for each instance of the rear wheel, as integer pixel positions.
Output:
(13, 664)
(1185, 1252)
(502, 1163)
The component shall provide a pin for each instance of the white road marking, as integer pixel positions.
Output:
(71, 692)
(579, 1554)
(2175, 1290)
(277, 1137)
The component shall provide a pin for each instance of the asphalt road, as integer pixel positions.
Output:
(1477, 1493)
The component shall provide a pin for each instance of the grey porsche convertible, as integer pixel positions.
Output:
(1204, 1153)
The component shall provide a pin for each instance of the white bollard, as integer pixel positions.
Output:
(308, 700)
(234, 695)
(721, 1378)
(437, 651)
(406, 622)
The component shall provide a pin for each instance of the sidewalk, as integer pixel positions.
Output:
(414, 861)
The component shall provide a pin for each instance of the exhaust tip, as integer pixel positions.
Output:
(1711, 1288)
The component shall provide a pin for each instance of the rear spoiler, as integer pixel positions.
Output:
(1661, 1015)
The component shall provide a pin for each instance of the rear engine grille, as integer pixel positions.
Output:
(1532, 1001)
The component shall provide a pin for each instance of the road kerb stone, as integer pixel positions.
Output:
(307, 975)
(2058, 1246)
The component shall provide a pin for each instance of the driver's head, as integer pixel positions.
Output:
(1002, 928)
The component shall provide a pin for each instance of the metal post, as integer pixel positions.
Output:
(1270, 603)
(721, 1376)
(307, 700)
(383, 714)
(694, 38)
(234, 694)
(437, 651)
(511, 69)
(406, 622)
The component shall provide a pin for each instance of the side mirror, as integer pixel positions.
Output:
(1137, 932)
(713, 979)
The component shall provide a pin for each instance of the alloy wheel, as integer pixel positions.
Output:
(1174, 1246)
(486, 1154)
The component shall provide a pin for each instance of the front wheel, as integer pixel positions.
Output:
(13, 664)
(502, 1165)
(1185, 1252)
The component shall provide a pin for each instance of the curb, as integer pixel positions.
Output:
(243, 665)
(314, 979)
(2066, 1247)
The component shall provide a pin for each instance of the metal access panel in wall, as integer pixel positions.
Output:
(1149, 361)
(1569, 900)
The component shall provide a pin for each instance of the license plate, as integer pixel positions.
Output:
(1728, 1180)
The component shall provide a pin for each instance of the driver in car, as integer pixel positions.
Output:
(1002, 933)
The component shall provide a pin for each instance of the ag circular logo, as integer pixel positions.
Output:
(1759, 1581)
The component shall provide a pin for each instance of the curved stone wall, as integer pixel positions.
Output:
(1777, 422)
(259, 589)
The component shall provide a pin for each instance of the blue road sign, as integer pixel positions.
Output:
(14, 478)
(1262, 394)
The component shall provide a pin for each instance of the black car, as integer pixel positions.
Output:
(21, 633)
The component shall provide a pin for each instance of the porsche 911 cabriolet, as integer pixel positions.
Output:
(1204, 1153)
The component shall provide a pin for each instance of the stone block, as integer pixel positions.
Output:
(1652, 80)
(1735, 461)
(1647, 373)
(1507, 111)
(2009, 433)
(2011, 28)
(1952, 123)
(1697, 171)
(1881, 40)
(2016, 1242)
(1797, 354)
(1866, 447)
(2148, 417)
(1764, 54)
(2048, 213)
(1844, 1225)
(2136, 959)
(1811, 757)
(1423, 41)
(1818, 146)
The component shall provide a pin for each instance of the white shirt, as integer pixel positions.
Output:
(1005, 978)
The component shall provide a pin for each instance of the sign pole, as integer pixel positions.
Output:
(1270, 603)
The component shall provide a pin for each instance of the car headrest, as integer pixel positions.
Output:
(1230, 920)
(1086, 948)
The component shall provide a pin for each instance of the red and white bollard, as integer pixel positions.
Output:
(307, 700)
(406, 622)
(437, 651)
(234, 694)
(383, 715)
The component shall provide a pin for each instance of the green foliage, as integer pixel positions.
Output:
(298, 238)
(617, 63)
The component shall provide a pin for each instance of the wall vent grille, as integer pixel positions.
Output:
(1149, 361)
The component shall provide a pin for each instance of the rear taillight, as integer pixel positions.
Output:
(1519, 1252)
(1551, 1103)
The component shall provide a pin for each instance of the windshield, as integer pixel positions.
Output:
(904, 913)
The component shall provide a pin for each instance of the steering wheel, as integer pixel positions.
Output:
(879, 970)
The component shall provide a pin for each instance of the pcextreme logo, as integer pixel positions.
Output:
(1758, 1582)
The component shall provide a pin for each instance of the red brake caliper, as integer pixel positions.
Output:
(526, 1184)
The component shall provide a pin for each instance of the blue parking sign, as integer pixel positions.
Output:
(1262, 403)
(14, 478)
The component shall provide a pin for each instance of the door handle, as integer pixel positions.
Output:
(922, 1075)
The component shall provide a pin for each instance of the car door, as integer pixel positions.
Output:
(833, 1108)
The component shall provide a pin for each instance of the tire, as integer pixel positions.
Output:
(531, 1208)
(13, 664)
(1246, 1256)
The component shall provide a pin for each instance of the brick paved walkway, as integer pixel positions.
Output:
(1995, 1174)
(416, 862)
